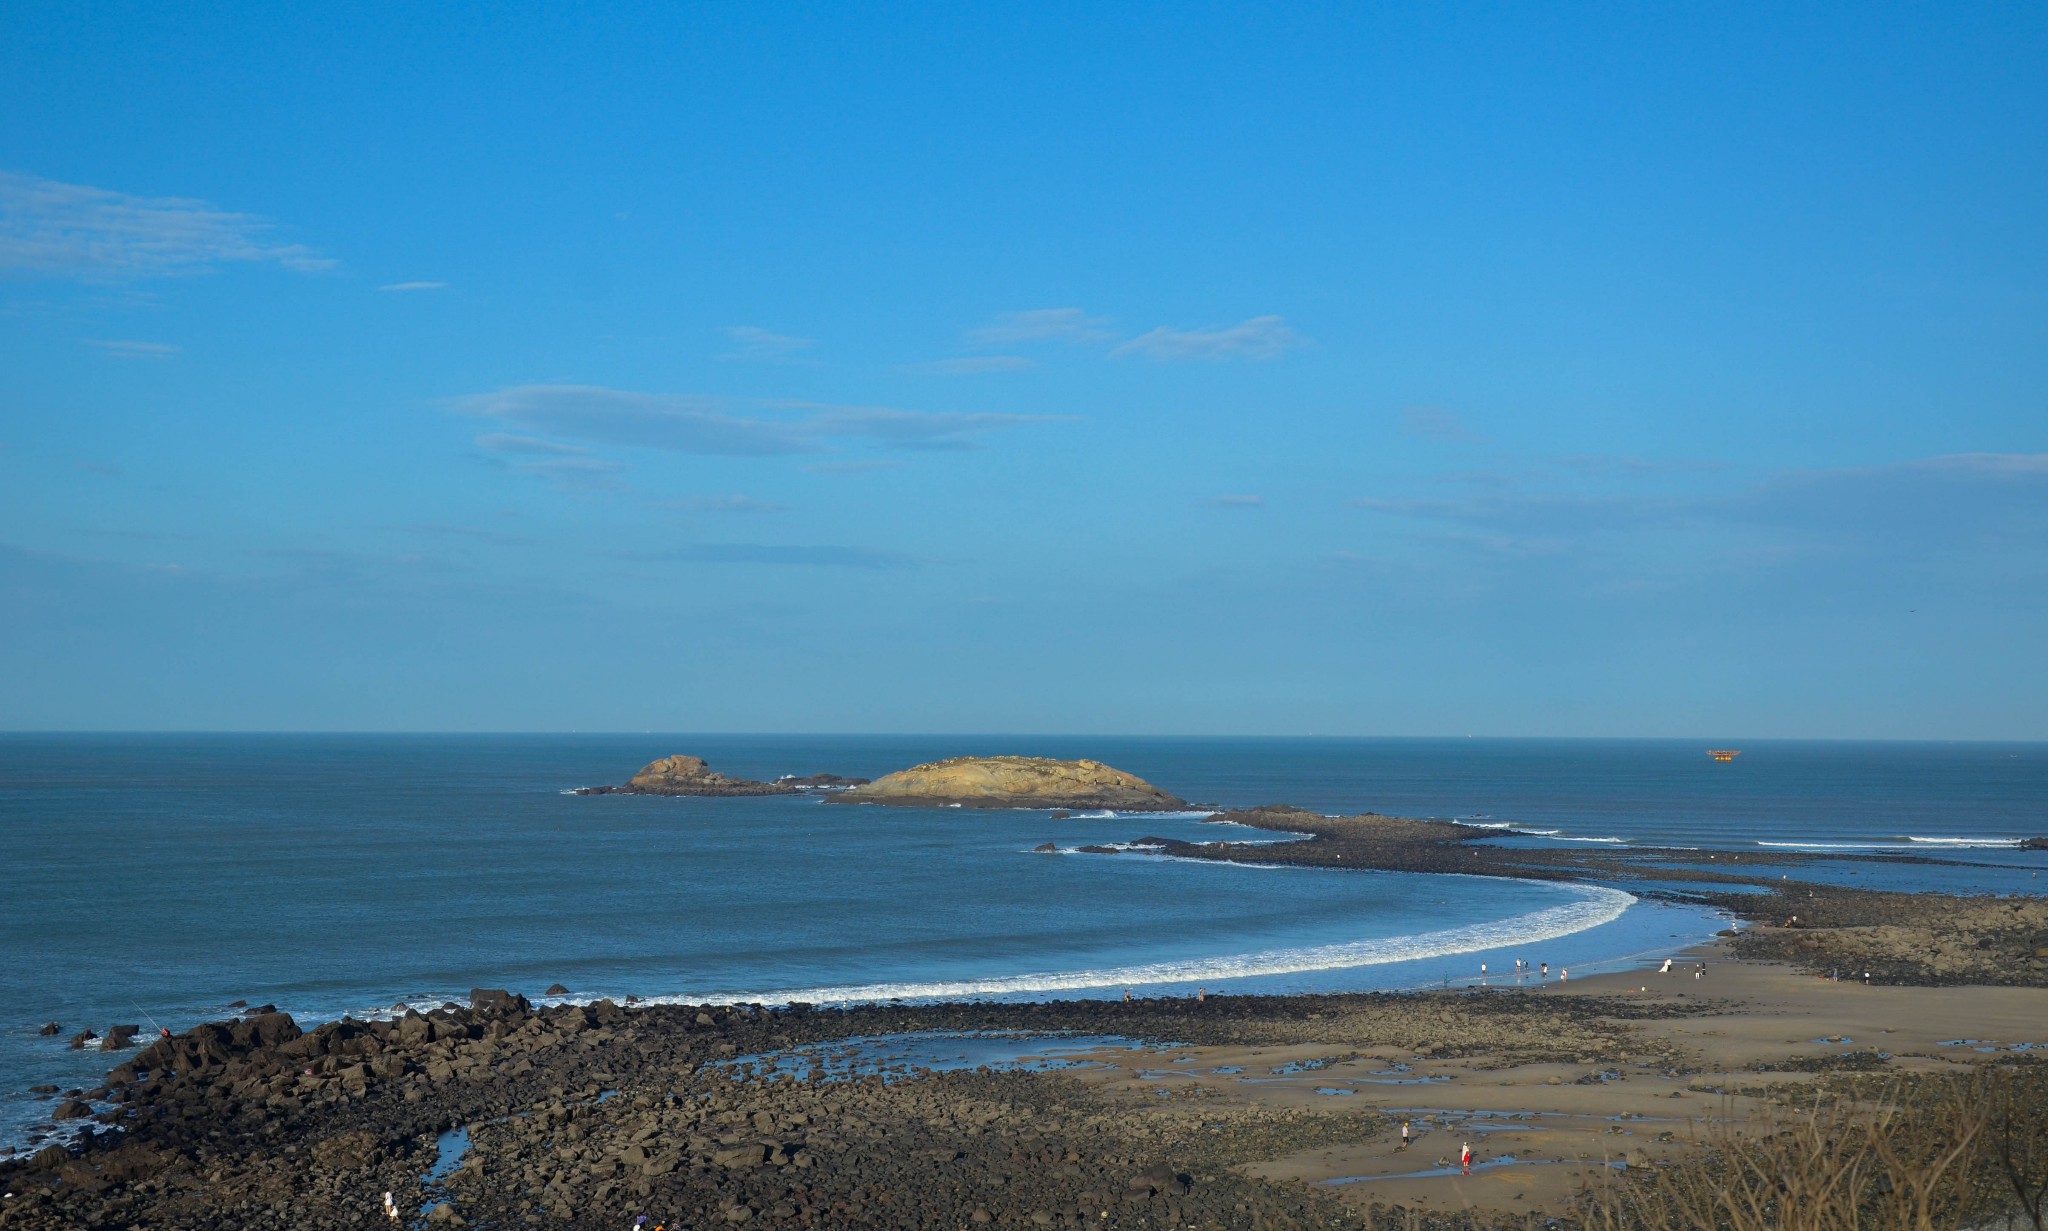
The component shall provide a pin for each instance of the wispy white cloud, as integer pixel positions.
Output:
(684, 423)
(414, 286)
(126, 349)
(506, 442)
(1261, 337)
(865, 466)
(721, 504)
(53, 229)
(1435, 423)
(1238, 502)
(564, 465)
(974, 365)
(765, 346)
(1922, 504)
(798, 555)
(1043, 325)
(475, 534)
(583, 474)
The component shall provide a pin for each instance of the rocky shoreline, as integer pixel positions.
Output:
(586, 1115)
(1923, 939)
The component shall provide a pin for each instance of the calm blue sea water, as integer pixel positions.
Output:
(160, 877)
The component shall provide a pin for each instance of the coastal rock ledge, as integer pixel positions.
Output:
(1013, 782)
(684, 775)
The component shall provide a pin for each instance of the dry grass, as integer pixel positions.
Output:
(1943, 1155)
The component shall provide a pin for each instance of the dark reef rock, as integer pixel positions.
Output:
(820, 782)
(687, 775)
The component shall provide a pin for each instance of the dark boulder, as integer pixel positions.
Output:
(50, 1030)
(79, 1040)
(71, 1109)
(555, 989)
(1155, 1181)
(497, 1002)
(119, 1037)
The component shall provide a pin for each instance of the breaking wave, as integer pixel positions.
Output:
(1594, 905)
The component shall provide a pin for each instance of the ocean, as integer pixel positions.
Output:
(155, 879)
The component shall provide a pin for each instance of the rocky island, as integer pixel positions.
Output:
(687, 775)
(1013, 782)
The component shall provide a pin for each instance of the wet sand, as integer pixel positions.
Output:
(1747, 1026)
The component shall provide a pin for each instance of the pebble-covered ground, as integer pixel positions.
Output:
(588, 1116)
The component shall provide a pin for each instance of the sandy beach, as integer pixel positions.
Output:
(1540, 1131)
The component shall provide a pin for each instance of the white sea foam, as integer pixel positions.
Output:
(1993, 844)
(1592, 906)
(1555, 836)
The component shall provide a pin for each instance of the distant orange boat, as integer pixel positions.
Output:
(1724, 754)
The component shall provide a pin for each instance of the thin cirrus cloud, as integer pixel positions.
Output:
(1043, 325)
(1933, 506)
(684, 423)
(1246, 501)
(1435, 423)
(722, 504)
(54, 229)
(764, 345)
(1260, 338)
(872, 465)
(125, 349)
(975, 365)
(786, 555)
(406, 287)
(566, 466)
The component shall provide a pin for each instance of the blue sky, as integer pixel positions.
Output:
(1542, 370)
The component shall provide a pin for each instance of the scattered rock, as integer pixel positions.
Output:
(687, 775)
(71, 1109)
(555, 989)
(821, 782)
(50, 1029)
(79, 1040)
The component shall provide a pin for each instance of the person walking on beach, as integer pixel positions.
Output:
(1404, 1136)
(390, 1208)
(1546, 970)
(1564, 974)
(1465, 1158)
(1666, 969)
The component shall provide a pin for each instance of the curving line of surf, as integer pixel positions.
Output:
(1595, 905)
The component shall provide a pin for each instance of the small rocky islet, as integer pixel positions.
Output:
(958, 782)
(1013, 782)
(692, 776)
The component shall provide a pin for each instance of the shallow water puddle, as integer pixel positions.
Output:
(451, 1146)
